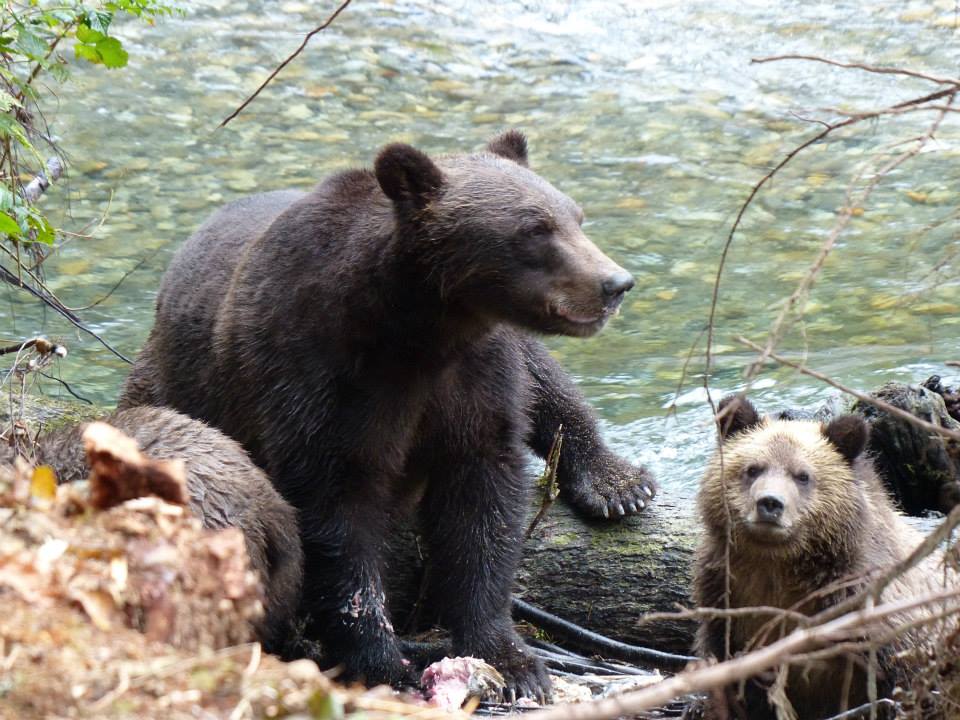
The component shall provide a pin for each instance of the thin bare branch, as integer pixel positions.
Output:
(877, 69)
(802, 290)
(710, 613)
(286, 62)
(892, 409)
(850, 625)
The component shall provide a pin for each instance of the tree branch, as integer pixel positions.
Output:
(850, 625)
(286, 62)
(892, 409)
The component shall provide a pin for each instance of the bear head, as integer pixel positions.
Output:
(498, 240)
(785, 487)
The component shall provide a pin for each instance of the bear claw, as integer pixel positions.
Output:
(610, 487)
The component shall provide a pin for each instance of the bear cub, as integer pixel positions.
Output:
(226, 490)
(807, 521)
(367, 343)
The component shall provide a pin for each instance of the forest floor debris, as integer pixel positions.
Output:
(138, 611)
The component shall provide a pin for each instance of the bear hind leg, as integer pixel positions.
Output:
(473, 514)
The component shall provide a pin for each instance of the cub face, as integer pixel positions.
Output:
(783, 480)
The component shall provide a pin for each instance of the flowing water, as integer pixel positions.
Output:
(649, 113)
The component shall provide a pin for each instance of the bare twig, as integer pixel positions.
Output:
(66, 386)
(711, 613)
(796, 298)
(548, 481)
(892, 409)
(286, 62)
(36, 187)
(732, 671)
(859, 66)
(53, 302)
(42, 345)
(116, 285)
(948, 92)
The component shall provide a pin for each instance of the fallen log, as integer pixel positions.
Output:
(605, 576)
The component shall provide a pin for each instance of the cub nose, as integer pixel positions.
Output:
(616, 285)
(769, 508)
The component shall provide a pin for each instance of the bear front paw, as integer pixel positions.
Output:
(524, 675)
(610, 487)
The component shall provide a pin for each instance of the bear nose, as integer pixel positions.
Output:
(616, 285)
(769, 508)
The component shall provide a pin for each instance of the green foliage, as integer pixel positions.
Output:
(33, 37)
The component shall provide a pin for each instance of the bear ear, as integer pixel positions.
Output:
(848, 434)
(738, 415)
(407, 175)
(511, 145)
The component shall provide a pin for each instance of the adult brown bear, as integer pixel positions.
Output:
(365, 343)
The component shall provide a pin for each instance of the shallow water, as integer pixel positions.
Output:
(648, 113)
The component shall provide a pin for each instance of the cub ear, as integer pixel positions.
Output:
(738, 415)
(848, 434)
(511, 145)
(407, 175)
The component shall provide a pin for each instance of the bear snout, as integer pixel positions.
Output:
(770, 508)
(615, 286)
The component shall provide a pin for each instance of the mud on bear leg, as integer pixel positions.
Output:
(343, 598)
(596, 481)
(475, 508)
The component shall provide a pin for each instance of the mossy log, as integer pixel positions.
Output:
(605, 576)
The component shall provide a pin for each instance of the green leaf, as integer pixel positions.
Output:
(9, 226)
(30, 44)
(10, 127)
(87, 52)
(88, 35)
(6, 198)
(60, 71)
(99, 21)
(7, 101)
(112, 53)
(44, 230)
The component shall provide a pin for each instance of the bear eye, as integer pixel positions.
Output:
(754, 471)
(539, 229)
(802, 477)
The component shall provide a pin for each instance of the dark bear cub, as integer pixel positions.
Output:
(366, 343)
(226, 490)
(798, 512)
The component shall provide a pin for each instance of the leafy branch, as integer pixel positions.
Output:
(33, 35)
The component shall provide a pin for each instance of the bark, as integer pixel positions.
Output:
(606, 575)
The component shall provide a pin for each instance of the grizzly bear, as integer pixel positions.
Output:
(226, 490)
(366, 343)
(794, 511)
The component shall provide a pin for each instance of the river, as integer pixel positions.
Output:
(648, 113)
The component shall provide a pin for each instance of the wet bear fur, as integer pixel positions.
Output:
(226, 490)
(366, 343)
(806, 511)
